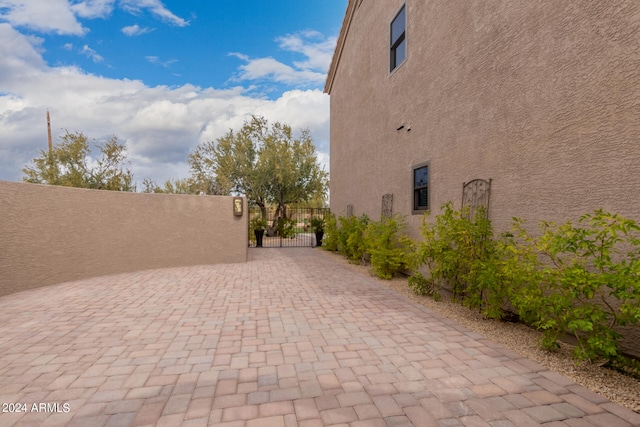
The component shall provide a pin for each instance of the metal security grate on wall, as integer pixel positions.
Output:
(475, 197)
(387, 206)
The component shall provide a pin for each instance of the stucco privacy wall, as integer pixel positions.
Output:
(54, 234)
(543, 97)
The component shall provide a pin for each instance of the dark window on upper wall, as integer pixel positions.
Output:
(398, 39)
(420, 188)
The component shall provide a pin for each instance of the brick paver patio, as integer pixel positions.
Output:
(289, 339)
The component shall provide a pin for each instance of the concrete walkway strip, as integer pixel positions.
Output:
(290, 338)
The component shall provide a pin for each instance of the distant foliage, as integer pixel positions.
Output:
(287, 228)
(71, 163)
(181, 186)
(265, 162)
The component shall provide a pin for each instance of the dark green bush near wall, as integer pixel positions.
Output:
(423, 286)
(582, 279)
(461, 253)
(330, 239)
(381, 243)
(351, 238)
(388, 247)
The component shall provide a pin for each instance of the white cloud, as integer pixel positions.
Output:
(60, 16)
(272, 70)
(135, 30)
(47, 16)
(156, 7)
(315, 49)
(160, 125)
(93, 8)
(318, 54)
(156, 61)
(90, 53)
(18, 53)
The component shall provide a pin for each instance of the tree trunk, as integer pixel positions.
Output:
(279, 216)
(263, 210)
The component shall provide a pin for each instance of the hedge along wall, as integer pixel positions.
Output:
(52, 234)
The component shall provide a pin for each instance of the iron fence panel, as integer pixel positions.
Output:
(290, 229)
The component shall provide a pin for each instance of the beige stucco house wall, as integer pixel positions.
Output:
(52, 234)
(542, 97)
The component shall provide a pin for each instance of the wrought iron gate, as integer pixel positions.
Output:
(291, 230)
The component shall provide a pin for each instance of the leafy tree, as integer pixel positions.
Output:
(150, 186)
(293, 167)
(319, 201)
(179, 186)
(265, 163)
(233, 161)
(70, 164)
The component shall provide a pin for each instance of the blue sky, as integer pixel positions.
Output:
(161, 75)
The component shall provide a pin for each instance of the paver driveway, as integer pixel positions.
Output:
(289, 338)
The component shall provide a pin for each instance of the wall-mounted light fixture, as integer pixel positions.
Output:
(237, 206)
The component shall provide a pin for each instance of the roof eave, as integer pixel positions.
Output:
(337, 53)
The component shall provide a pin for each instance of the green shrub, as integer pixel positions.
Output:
(256, 223)
(330, 239)
(460, 253)
(388, 247)
(351, 238)
(287, 228)
(580, 279)
(317, 224)
(344, 224)
(422, 286)
(439, 250)
(626, 366)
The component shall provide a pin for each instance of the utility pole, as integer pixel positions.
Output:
(49, 132)
(50, 179)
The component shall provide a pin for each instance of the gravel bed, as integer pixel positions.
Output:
(523, 340)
